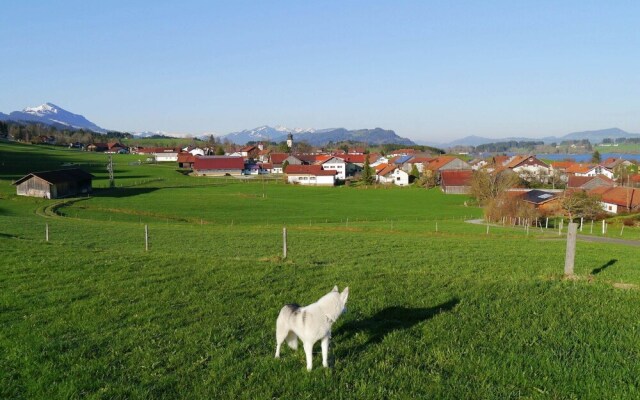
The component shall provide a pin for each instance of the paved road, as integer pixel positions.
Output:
(584, 238)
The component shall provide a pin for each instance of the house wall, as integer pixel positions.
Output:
(162, 157)
(455, 164)
(609, 207)
(456, 189)
(400, 178)
(218, 172)
(323, 180)
(34, 187)
(336, 165)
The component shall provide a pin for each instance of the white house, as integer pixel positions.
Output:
(310, 175)
(335, 164)
(391, 174)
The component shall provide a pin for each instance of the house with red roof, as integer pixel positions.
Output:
(390, 173)
(456, 181)
(618, 199)
(333, 163)
(186, 160)
(444, 163)
(310, 175)
(218, 166)
(529, 166)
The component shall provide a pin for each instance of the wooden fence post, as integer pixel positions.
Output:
(146, 237)
(46, 232)
(284, 242)
(572, 233)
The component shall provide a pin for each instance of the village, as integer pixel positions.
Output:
(542, 185)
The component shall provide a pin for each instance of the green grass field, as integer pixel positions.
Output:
(453, 313)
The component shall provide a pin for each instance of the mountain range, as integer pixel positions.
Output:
(317, 137)
(595, 136)
(50, 114)
(56, 116)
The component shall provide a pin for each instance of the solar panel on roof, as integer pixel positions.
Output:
(545, 196)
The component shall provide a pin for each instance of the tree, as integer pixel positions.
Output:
(415, 174)
(486, 186)
(595, 157)
(579, 204)
(285, 164)
(219, 151)
(367, 174)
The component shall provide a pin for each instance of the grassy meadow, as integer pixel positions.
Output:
(438, 308)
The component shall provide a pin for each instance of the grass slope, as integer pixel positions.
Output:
(450, 314)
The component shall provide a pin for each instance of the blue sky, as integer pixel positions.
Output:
(430, 70)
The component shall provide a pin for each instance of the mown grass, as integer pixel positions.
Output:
(450, 314)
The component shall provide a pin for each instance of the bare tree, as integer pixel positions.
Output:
(487, 186)
(579, 204)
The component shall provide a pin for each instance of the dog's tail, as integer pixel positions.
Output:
(292, 340)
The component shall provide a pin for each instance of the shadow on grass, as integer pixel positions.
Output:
(121, 192)
(390, 319)
(596, 271)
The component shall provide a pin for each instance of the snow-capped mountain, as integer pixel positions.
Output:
(316, 137)
(51, 114)
(264, 133)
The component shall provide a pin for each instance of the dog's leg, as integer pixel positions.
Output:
(325, 351)
(278, 349)
(308, 350)
(280, 336)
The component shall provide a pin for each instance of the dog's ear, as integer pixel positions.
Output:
(335, 288)
(344, 295)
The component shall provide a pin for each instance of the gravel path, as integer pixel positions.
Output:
(584, 238)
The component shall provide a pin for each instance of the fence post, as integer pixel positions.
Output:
(46, 232)
(146, 237)
(284, 242)
(603, 227)
(572, 233)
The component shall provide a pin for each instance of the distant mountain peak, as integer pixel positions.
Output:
(51, 114)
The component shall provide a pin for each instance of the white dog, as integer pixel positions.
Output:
(310, 324)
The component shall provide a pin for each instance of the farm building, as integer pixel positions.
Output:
(55, 184)
(310, 175)
(456, 181)
(218, 166)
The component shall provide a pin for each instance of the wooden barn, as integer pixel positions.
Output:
(55, 184)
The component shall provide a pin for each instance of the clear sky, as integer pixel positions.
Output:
(430, 70)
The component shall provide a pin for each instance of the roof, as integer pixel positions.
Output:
(186, 158)
(315, 170)
(355, 158)
(580, 181)
(278, 158)
(218, 162)
(153, 150)
(580, 168)
(385, 169)
(439, 162)
(402, 159)
(58, 176)
(520, 159)
(248, 149)
(562, 164)
(621, 196)
(538, 196)
(456, 177)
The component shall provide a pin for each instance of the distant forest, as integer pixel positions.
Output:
(507, 146)
(41, 133)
